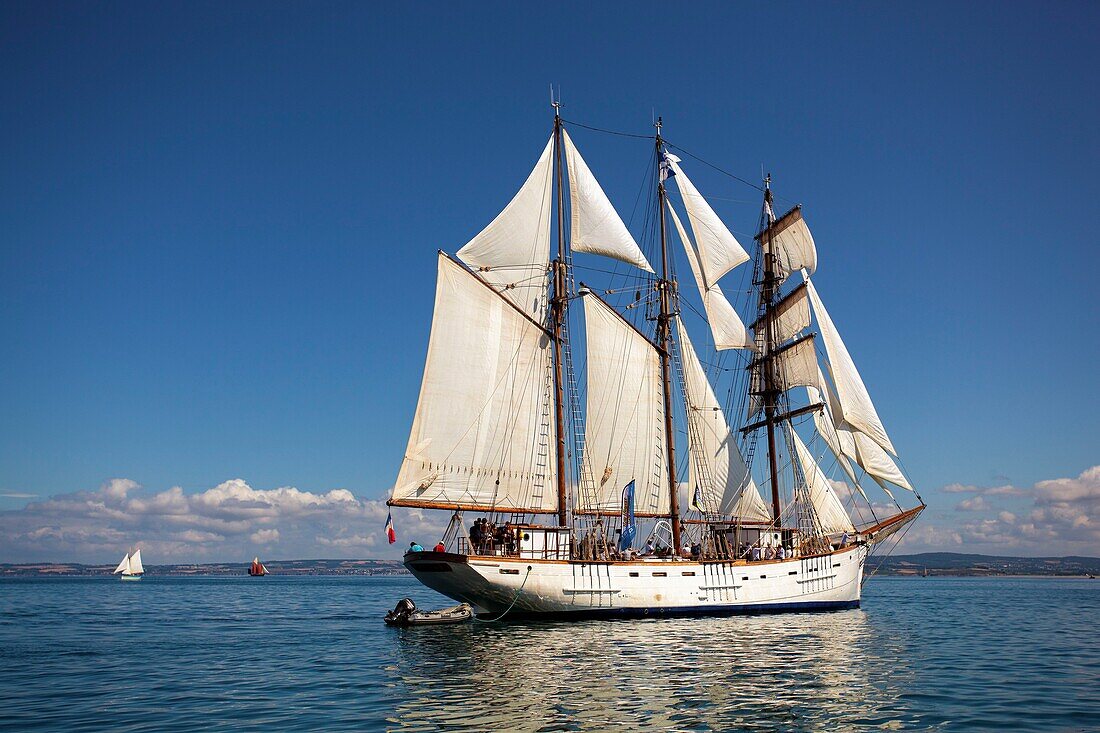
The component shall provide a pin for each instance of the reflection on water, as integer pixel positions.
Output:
(310, 654)
(789, 671)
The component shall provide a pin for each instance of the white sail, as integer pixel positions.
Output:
(726, 326)
(136, 567)
(727, 484)
(513, 252)
(791, 243)
(795, 366)
(624, 425)
(719, 250)
(830, 510)
(124, 566)
(483, 435)
(878, 462)
(835, 437)
(855, 404)
(596, 227)
(790, 316)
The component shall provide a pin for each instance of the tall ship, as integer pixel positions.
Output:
(596, 459)
(130, 568)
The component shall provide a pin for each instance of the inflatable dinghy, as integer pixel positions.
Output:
(405, 613)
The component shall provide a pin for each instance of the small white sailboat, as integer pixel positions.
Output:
(130, 567)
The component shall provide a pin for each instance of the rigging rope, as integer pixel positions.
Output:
(890, 552)
(674, 146)
(513, 603)
(609, 132)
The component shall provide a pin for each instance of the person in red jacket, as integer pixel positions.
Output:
(439, 548)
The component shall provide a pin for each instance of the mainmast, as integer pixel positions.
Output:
(769, 288)
(667, 289)
(558, 304)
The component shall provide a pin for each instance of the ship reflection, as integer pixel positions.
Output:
(782, 672)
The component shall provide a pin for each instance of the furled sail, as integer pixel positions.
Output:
(482, 436)
(719, 250)
(790, 316)
(596, 226)
(830, 510)
(855, 404)
(513, 252)
(624, 424)
(726, 483)
(124, 566)
(791, 243)
(726, 326)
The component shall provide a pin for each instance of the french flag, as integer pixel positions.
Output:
(390, 534)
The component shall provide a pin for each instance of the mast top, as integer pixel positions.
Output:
(556, 102)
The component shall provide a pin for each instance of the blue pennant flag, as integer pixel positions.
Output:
(664, 166)
(697, 500)
(630, 527)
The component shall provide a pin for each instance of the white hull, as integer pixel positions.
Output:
(649, 587)
(131, 577)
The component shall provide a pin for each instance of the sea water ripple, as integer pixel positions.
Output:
(311, 653)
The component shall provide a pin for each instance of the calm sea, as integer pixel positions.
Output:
(309, 654)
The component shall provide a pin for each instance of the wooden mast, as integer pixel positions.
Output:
(559, 303)
(667, 289)
(771, 387)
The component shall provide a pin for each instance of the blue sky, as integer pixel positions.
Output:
(218, 225)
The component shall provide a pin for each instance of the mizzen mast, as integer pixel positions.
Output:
(667, 289)
(559, 302)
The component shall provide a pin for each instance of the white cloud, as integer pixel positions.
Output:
(219, 523)
(1064, 518)
(264, 536)
(973, 504)
(1006, 490)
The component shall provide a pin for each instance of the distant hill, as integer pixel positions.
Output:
(957, 563)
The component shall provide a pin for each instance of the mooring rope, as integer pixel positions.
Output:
(513, 603)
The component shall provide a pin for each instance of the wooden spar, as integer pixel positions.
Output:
(559, 303)
(785, 416)
(771, 391)
(894, 521)
(664, 336)
(466, 507)
(776, 226)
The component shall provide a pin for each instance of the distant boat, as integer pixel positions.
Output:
(130, 567)
(257, 569)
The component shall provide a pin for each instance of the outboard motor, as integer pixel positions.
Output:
(399, 616)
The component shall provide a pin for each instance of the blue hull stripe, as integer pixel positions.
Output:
(752, 609)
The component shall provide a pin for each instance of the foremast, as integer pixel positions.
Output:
(769, 287)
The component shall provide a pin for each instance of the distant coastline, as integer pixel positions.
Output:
(931, 564)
